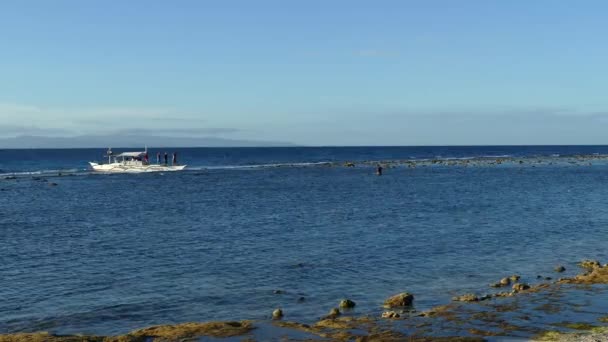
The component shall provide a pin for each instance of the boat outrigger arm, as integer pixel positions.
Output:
(132, 162)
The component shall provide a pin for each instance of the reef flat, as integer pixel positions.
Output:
(566, 309)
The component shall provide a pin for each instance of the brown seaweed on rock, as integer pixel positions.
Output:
(160, 333)
(596, 274)
(189, 330)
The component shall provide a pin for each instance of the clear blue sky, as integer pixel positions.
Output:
(313, 72)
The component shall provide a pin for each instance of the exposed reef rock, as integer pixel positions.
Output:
(517, 287)
(402, 299)
(347, 304)
(390, 314)
(590, 264)
(277, 314)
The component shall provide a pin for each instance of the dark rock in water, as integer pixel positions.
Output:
(10, 177)
(277, 314)
(53, 184)
(485, 297)
(278, 292)
(402, 299)
(349, 164)
(301, 299)
(347, 304)
(560, 269)
(539, 277)
(520, 287)
(548, 278)
(469, 297)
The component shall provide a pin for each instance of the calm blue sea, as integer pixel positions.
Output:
(106, 254)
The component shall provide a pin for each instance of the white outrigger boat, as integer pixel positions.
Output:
(132, 162)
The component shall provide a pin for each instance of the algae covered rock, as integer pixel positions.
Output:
(347, 304)
(520, 287)
(277, 314)
(190, 330)
(590, 264)
(469, 297)
(503, 282)
(402, 299)
(333, 314)
(560, 269)
(514, 278)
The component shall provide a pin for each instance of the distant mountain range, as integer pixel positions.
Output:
(134, 141)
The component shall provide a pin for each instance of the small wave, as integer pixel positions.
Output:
(42, 173)
(498, 156)
(254, 166)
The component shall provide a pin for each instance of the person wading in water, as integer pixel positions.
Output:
(379, 170)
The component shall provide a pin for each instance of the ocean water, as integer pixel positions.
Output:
(106, 254)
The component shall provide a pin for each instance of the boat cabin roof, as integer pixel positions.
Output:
(131, 154)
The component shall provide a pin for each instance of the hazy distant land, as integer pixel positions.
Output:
(97, 141)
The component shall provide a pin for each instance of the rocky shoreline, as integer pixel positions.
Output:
(469, 317)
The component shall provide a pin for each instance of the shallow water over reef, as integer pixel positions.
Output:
(107, 254)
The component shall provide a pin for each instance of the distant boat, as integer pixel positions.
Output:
(132, 162)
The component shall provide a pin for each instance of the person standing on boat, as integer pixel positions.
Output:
(158, 158)
(166, 158)
(174, 161)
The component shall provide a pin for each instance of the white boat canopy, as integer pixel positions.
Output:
(131, 154)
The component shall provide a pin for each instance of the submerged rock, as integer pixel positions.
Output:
(347, 304)
(560, 269)
(469, 297)
(402, 299)
(485, 297)
(277, 314)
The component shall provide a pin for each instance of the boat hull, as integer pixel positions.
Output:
(122, 168)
